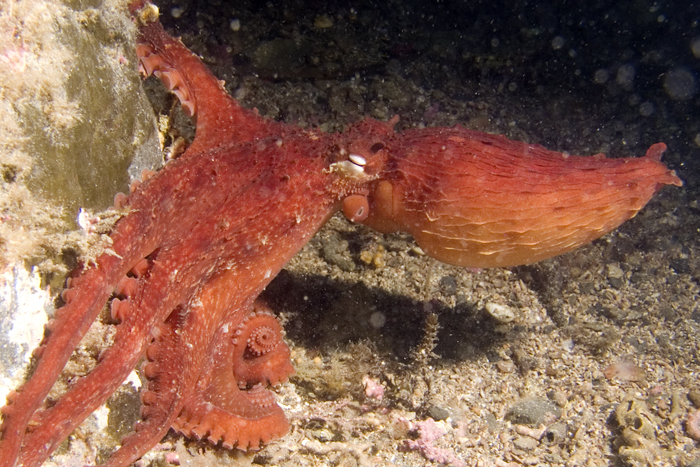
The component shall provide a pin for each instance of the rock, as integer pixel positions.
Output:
(76, 128)
(438, 413)
(525, 443)
(533, 412)
(501, 313)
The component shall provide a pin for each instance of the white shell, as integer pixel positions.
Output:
(503, 314)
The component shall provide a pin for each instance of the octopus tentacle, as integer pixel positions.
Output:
(157, 409)
(231, 404)
(176, 360)
(220, 119)
(66, 331)
(52, 425)
(68, 326)
(258, 352)
(202, 420)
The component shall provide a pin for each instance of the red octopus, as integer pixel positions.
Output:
(204, 236)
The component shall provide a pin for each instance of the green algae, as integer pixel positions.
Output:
(75, 124)
(82, 148)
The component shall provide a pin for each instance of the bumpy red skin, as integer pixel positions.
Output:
(206, 234)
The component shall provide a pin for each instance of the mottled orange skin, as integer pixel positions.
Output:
(205, 235)
(480, 200)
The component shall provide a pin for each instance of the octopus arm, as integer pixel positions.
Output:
(84, 299)
(219, 118)
(50, 426)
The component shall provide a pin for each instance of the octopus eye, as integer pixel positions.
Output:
(357, 160)
(351, 168)
(376, 147)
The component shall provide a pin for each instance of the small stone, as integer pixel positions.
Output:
(438, 413)
(373, 388)
(694, 397)
(324, 435)
(615, 275)
(418, 251)
(501, 313)
(448, 286)
(525, 443)
(323, 22)
(555, 433)
(533, 412)
(335, 251)
(492, 422)
(624, 370)
(505, 366)
(614, 271)
(558, 397)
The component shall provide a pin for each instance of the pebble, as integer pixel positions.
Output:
(533, 412)
(505, 366)
(323, 434)
(501, 313)
(555, 433)
(438, 413)
(614, 271)
(336, 251)
(694, 396)
(448, 286)
(525, 443)
(615, 275)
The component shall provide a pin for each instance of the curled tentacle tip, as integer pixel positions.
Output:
(118, 309)
(68, 295)
(120, 200)
(262, 340)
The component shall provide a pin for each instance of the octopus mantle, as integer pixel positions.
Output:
(205, 235)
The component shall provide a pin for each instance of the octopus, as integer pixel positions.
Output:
(202, 238)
